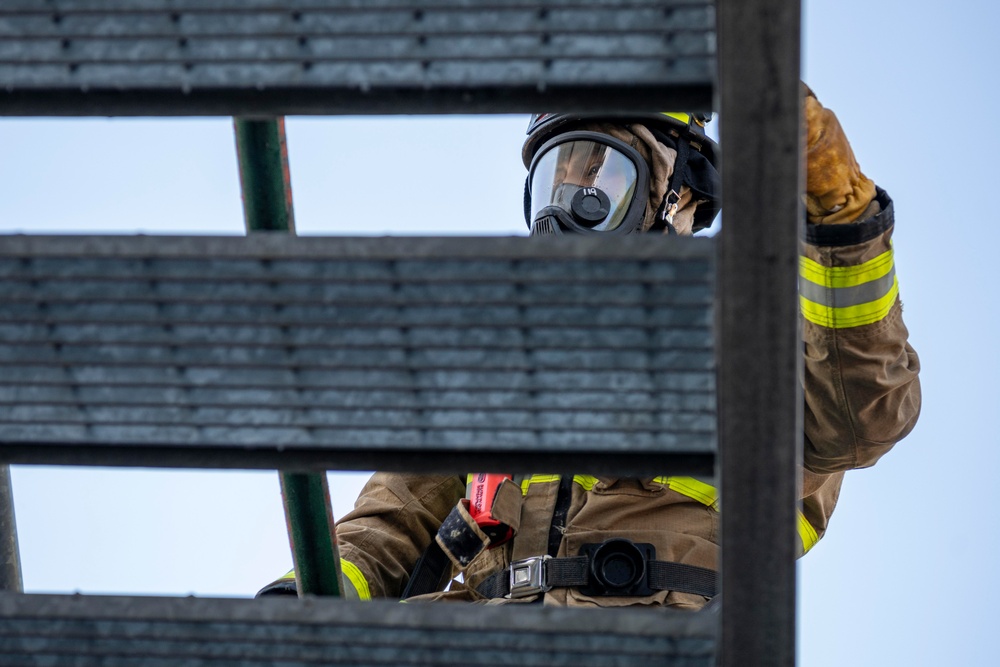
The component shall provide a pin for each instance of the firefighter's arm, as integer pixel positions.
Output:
(394, 519)
(862, 394)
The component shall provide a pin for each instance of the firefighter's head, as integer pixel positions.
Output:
(595, 174)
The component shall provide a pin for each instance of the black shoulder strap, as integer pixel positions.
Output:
(456, 537)
(429, 572)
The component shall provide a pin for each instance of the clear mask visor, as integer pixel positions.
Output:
(593, 183)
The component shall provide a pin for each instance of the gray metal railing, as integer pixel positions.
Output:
(365, 353)
(210, 57)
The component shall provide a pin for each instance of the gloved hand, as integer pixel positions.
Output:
(836, 190)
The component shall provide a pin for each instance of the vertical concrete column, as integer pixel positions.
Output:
(760, 354)
(10, 555)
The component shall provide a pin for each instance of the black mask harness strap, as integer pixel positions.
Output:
(664, 218)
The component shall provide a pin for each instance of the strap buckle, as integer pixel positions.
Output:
(527, 577)
(671, 203)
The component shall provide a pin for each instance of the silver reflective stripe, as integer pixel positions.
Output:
(843, 297)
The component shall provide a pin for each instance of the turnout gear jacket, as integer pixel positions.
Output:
(861, 394)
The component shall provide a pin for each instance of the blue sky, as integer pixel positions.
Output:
(907, 572)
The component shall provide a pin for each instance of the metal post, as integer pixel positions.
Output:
(266, 184)
(10, 555)
(265, 178)
(311, 533)
(760, 357)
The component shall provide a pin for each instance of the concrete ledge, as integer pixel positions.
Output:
(59, 631)
(359, 353)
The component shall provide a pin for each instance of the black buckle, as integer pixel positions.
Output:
(618, 567)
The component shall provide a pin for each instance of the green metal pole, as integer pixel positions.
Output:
(265, 179)
(266, 184)
(311, 533)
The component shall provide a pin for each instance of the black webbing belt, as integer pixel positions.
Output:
(575, 572)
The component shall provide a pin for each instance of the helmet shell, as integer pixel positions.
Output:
(543, 126)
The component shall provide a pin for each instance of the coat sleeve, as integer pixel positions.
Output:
(394, 519)
(862, 394)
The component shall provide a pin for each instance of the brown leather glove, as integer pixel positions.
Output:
(836, 190)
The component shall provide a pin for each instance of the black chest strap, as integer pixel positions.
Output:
(576, 572)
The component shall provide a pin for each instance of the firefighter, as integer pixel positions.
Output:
(608, 542)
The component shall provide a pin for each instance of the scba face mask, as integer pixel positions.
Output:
(586, 183)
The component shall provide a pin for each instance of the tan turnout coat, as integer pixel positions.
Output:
(861, 396)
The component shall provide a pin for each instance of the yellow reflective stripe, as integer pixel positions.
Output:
(682, 117)
(357, 579)
(706, 494)
(586, 481)
(840, 297)
(807, 533)
(536, 479)
(845, 276)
